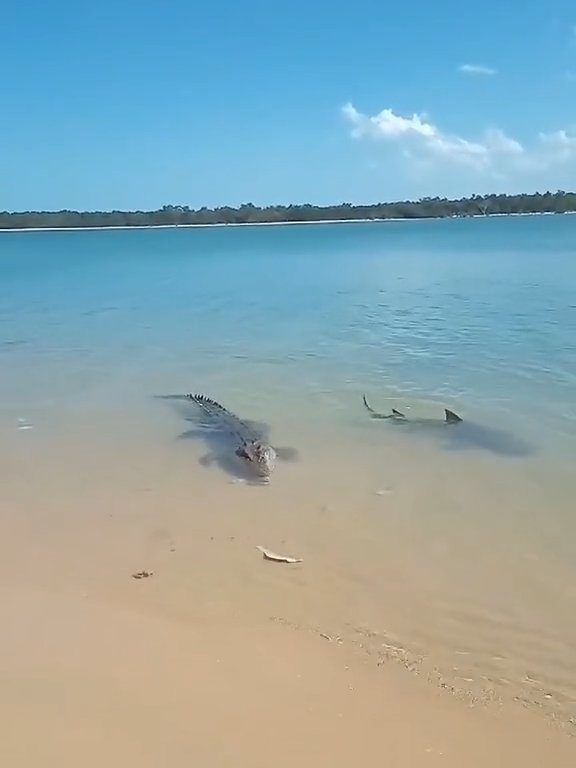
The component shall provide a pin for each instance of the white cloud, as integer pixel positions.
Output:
(419, 136)
(559, 139)
(387, 124)
(496, 141)
(558, 145)
(420, 141)
(477, 69)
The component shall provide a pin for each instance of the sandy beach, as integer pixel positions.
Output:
(84, 683)
(219, 657)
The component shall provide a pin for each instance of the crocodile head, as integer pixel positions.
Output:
(260, 456)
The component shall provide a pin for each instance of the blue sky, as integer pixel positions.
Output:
(138, 104)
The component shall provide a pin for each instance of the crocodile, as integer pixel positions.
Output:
(251, 447)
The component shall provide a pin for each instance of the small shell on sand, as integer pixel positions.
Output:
(142, 575)
(268, 555)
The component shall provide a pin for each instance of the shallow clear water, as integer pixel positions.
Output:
(291, 325)
(480, 314)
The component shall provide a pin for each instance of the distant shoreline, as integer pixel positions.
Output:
(250, 215)
(279, 223)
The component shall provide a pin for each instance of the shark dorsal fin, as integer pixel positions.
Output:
(451, 417)
(398, 414)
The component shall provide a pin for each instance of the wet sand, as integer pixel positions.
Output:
(86, 683)
(396, 640)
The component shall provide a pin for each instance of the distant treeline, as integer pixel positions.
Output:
(172, 215)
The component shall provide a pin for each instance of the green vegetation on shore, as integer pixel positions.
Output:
(172, 215)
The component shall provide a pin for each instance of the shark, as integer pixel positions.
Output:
(250, 444)
(457, 434)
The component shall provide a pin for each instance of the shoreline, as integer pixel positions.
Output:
(280, 223)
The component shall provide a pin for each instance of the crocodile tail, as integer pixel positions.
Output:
(206, 402)
(213, 409)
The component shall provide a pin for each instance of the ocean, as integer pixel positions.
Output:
(451, 549)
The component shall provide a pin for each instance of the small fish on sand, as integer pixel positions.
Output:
(268, 555)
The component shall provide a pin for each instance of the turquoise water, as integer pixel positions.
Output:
(477, 314)
(452, 540)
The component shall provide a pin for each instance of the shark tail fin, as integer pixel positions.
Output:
(451, 417)
(366, 405)
(375, 415)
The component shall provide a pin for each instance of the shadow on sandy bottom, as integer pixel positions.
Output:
(464, 436)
